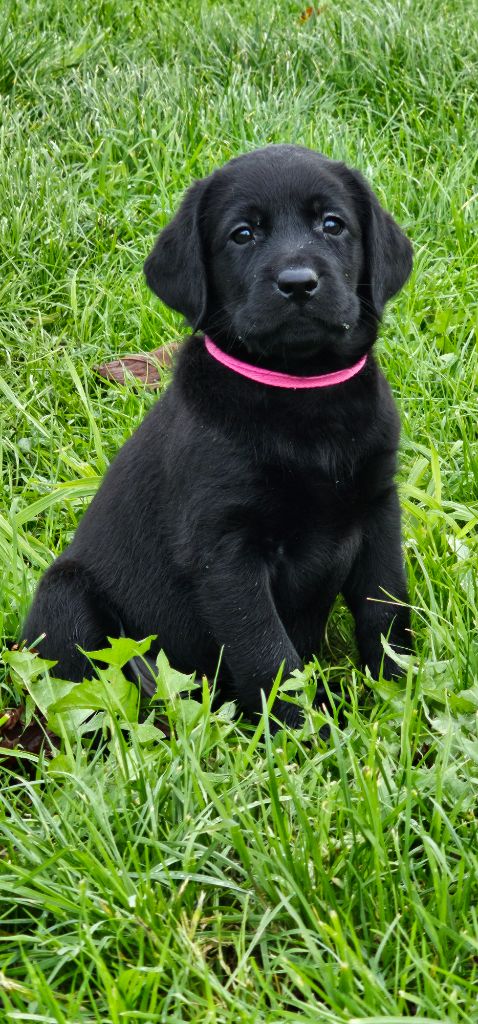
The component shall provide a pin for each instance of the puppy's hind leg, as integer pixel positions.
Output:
(71, 612)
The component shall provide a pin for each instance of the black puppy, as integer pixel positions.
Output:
(262, 483)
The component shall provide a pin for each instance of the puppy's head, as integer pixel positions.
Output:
(283, 254)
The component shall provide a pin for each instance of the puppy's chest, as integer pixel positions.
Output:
(309, 520)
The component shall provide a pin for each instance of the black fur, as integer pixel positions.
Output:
(237, 512)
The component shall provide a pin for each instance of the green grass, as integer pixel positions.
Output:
(206, 872)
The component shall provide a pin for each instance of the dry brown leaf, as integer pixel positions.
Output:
(14, 736)
(308, 12)
(145, 366)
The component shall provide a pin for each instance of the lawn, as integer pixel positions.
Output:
(189, 867)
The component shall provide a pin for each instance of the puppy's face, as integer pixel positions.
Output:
(282, 254)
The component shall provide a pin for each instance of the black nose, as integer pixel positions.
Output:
(298, 282)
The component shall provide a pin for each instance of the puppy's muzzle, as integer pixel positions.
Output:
(298, 284)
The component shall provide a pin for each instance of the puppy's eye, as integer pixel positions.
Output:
(243, 235)
(332, 225)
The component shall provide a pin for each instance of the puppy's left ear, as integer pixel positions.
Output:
(175, 269)
(387, 250)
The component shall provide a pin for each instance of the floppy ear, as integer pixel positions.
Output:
(388, 254)
(175, 269)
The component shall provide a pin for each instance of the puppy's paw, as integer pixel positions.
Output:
(287, 714)
(390, 670)
(384, 666)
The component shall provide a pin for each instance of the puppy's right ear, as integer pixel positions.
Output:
(175, 269)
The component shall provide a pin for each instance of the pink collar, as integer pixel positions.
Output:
(282, 380)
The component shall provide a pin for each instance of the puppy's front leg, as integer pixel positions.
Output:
(377, 577)
(239, 610)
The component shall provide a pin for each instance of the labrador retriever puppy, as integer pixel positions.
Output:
(261, 484)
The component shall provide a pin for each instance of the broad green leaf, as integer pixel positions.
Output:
(33, 673)
(75, 722)
(170, 682)
(227, 712)
(121, 651)
(191, 711)
(26, 664)
(145, 732)
(110, 692)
